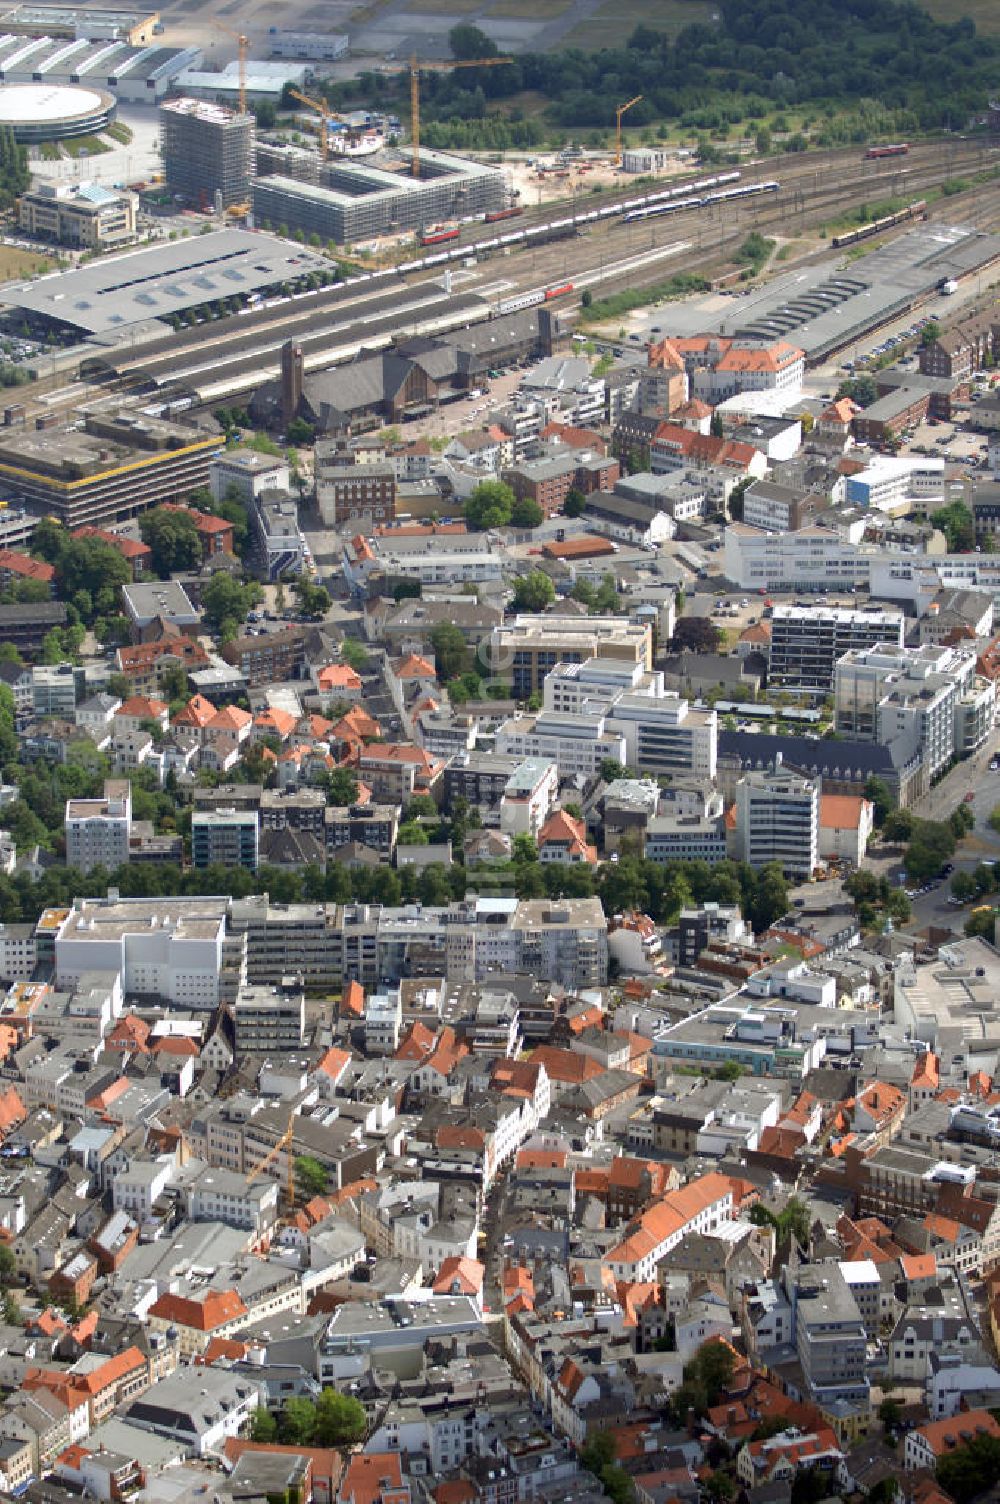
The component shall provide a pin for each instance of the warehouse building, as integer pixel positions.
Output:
(208, 152)
(134, 74)
(118, 466)
(314, 46)
(364, 199)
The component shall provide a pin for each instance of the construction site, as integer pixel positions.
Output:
(207, 152)
(358, 200)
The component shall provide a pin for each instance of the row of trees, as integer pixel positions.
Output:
(895, 64)
(331, 1420)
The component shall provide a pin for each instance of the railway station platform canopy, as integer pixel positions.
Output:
(120, 294)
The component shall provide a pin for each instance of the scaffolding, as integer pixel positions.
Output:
(208, 152)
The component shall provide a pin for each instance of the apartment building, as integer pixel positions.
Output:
(777, 820)
(348, 493)
(807, 641)
(98, 830)
(719, 367)
(229, 837)
(269, 658)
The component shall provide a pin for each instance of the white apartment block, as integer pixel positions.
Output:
(98, 830)
(777, 820)
(814, 558)
(531, 792)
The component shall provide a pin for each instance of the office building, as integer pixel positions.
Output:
(208, 152)
(84, 215)
(244, 474)
(278, 542)
(98, 830)
(114, 468)
(830, 1336)
(269, 1020)
(56, 688)
(229, 837)
(777, 820)
(806, 641)
(930, 696)
(526, 648)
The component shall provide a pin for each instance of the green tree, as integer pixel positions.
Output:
(314, 600)
(575, 504)
(173, 538)
(411, 833)
(930, 333)
(340, 1420)
(468, 42)
(890, 1412)
(341, 787)
(311, 1177)
(226, 600)
(861, 389)
(526, 513)
(300, 432)
(297, 1423)
(931, 845)
(971, 1469)
(963, 886)
(353, 654)
(958, 525)
(263, 1426)
(898, 826)
(534, 591)
(489, 506)
(451, 651)
(770, 898)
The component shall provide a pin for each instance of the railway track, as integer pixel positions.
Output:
(229, 358)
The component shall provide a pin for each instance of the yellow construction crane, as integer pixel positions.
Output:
(324, 115)
(618, 127)
(284, 1142)
(243, 43)
(416, 66)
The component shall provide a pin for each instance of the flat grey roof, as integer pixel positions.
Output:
(155, 281)
(823, 307)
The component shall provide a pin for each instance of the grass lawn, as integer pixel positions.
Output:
(612, 23)
(530, 10)
(17, 263)
(445, 7)
(985, 13)
(92, 145)
(120, 133)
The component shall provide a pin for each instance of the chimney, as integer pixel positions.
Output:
(291, 381)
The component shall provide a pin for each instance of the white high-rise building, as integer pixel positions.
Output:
(777, 820)
(98, 830)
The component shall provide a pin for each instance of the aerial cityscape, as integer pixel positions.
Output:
(500, 752)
